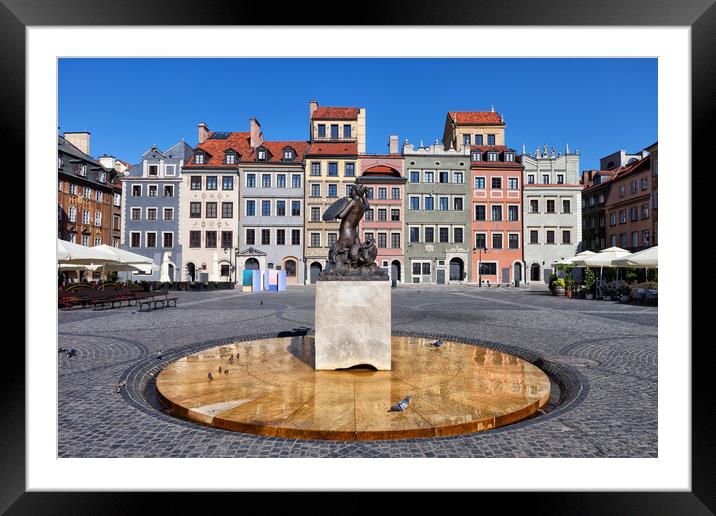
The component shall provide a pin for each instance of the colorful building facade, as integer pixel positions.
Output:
(464, 129)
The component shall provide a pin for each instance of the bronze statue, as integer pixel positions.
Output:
(348, 258)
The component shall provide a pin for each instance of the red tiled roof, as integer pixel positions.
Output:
(485, 148)
(241, 143)
(475, 117)
(275, 151)
(333, 149)
(381, 170)
(336, 113)
(637, 166)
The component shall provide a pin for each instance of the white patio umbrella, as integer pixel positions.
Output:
(123, 256)
(647, 259)
(70, 253)
(603, 258)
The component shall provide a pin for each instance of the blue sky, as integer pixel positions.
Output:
(595, 105)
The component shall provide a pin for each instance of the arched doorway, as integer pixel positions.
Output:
(290, 268)
(252, 264)
(517, 274)
(170, 272)
(456, 269)
(534, 272)
(316, 269)
(191, 271)
(395, 270)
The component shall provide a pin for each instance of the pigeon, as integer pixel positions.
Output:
(219, 368)
(158, 353)
(62, 350)
(72, 352)
(119, 386)
(436, 344)
(226, 371)
(210, 377)
(401, 405)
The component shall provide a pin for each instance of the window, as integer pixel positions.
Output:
(211, 182)
(251, 237)
(288, 155)
(250, 180)
(458, 178)
(168, 190)
(98, 196)
(479, 183)
(633, 186)
(266, 208)
(644, 211)
(513, 241)
(621, 190)
(497, 213)
(210, 210)
(395, 193)
(531, 179)
(635, 239)
(296, 208)
(444, 177)
(369, 236)
(613, 240)
(135, 239)
(87, 192)
(414, 202)
(227, 210)
(227, 183)
(382, 215)
(509, 156)
(496, 183)
(315, 190)
(497, 241)
(560, 179)
(210, 239)
(382, 193)
(512, 183)
(429, 201)
(479, 138)
(98, 218)
(199, 158)
(316, 168)
(281, 208)
(566, 237)
(644, 183)
(545, 179)
(382, 240)
(645, 237)
(334, 131)
(480, 212)
(444, 235)
(428, 176)
(296, 181)
(550, 237)
(491, 156)
(534, 236)
(443, 204)
(168, 214)
(490, 139)
(280, 180)
(550, 205)
(82, 170)
(117, 222)
(612, 219)
(634, 213)
(346, 130)
(170, 170)
(332, 190)
(227, 239)
(476, 156)
(457, 235)
(350, 169)
(266, 180)
(395, 240)
(480, 241)
(333, 169)
(152, 190)
(429, 234)
(85, 217)
(457, 203)
(73, 189)
(513, 213)
(136, 190)
(97, 240)
(225, 269)
(261, 155)
(295, 237)
(151, 214)
(414, 176)
(195, 210)
(534, 205)
(151, 239)
(321, 130)
(250, 208)
(566, 206)
(467, 139)
(136, 214)
(195, 182)
(414, 234)
(315, 214)
(315, 240)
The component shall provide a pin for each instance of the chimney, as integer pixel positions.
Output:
(257, 137)
(203, 132)
(107, 161)
(80, 139)
(313, 106)
(393, 144)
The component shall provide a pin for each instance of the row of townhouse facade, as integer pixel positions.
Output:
(468, 209)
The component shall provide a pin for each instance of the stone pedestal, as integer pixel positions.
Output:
(352, 324)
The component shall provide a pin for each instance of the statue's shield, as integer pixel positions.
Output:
(335, 209)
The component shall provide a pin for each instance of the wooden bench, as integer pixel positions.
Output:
(157, 301)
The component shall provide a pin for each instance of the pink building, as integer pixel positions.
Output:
(384, 222)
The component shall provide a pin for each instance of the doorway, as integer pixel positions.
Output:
(316, 269)
(457, 268)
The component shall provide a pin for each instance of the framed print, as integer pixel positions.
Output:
(234, 199)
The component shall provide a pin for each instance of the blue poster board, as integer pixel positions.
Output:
(257, 283)
(281, 281)
(248, 278)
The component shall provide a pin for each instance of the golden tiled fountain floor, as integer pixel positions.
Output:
(271, 388)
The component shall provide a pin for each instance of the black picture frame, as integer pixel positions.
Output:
(700, 15)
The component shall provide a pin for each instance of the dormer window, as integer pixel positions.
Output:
(491, 156)
(60, 162)
(321, 130)
(230, 158)
(153, 170)
(199, 158)
(261, 154)
(102, 177)
(476, 156)
(82, 170)
(509, 156)
(288, 154)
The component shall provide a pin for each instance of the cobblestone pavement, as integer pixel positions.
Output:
(608, 349)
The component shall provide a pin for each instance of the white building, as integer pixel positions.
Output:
(552, 209)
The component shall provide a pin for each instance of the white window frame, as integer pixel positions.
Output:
(172, 167)
(146, 239)
(164, 211)
(146, 213)
(140, 239)
(132, 212)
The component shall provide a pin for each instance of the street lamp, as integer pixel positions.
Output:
(232, 265)
(479, 264)
(305, 272)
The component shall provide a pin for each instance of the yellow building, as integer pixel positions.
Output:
(337, 138)
(473, 128)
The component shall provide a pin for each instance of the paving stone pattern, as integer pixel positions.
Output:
(602, 357)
